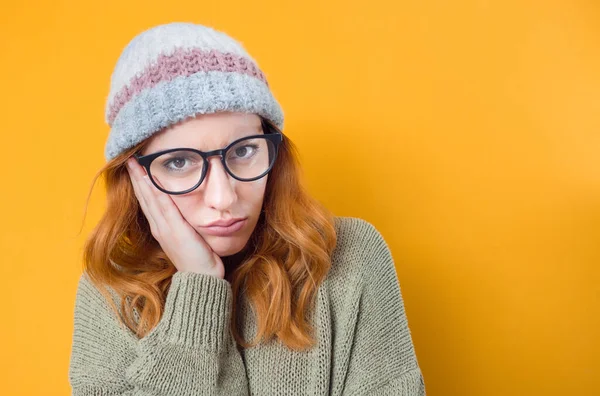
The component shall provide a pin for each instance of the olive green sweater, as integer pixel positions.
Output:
(364, 342)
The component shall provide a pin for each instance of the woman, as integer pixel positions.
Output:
(212, 271)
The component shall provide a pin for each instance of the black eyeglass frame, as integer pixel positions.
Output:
(273, 135)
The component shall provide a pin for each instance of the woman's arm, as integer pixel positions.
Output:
(190, 351)
(382, 357)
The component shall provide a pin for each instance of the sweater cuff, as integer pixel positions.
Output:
(197, 311)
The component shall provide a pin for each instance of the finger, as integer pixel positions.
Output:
(161, 207)
(169, 215)
(139, 176)
(167, 207)
(142, 200)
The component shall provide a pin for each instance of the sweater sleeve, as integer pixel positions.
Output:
(382, 358)
(189, 352)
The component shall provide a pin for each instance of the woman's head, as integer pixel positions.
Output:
(187, 85)
(204, 100)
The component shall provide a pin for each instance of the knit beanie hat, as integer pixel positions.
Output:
(174, 71)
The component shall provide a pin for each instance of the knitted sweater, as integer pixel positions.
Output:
(364, 345)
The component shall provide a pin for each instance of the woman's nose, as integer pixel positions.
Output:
(219, 186)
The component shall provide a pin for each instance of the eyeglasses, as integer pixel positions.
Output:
(181, 170)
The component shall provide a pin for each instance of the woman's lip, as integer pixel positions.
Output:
(223, 231)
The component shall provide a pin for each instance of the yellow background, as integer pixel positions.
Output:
(467, 132)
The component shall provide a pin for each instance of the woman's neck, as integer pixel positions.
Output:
(233, 261)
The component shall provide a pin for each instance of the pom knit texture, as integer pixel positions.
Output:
(364, 345)
(174, 71)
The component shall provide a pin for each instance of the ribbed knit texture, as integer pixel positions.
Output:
(364, 342)
(177, 70)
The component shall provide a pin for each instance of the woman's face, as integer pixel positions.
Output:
(220, 196)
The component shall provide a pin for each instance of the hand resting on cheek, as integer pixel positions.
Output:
(188, 251)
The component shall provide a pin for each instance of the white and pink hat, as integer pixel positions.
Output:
(177, 70)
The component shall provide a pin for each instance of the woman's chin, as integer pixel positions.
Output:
(225, 246)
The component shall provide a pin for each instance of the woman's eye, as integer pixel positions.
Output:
(177, 163)
(245, 151)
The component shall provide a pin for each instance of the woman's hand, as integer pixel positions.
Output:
(182, 244)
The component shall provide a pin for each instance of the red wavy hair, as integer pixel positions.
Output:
(290, 256)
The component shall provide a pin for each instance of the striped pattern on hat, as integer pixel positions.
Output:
(177, 70)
